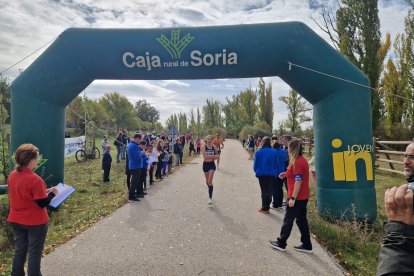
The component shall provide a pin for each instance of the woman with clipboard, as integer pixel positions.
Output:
(28, 215)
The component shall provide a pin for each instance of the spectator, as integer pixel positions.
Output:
(119, 146)
(124, 144)
(104, 143)
(298, 194)
(265, 164)
(191, 146)
(135, 161)
(277, 182)
(144, 169)
(152, 156)
(250, 146)
(198, 145)
(312, 166)
(396, 254)
(28, 214)
(160, 153)
(106, 163)
(178, 149)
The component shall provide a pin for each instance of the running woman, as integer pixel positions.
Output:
(210, 153)
(218, 143)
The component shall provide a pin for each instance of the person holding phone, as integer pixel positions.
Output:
(396, 254)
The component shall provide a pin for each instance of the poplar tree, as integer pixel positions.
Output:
(212, 114)
(248, 106)
(265, 112)
(297, 108)
(355, 32)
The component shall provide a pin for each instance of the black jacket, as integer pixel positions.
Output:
(397, 253)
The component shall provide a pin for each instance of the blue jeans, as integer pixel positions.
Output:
(123, 152)
(119, 153)
(28, 240)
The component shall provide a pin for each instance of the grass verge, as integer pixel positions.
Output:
(92, 201)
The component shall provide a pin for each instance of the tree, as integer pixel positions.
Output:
(4, 137)
(248, 106)
(265, 113)
(198, 123)
(75, 112)
(409, 54)
(192, 124)
(393, 87)
(297, 111)
(233, 115)
(170, 122)
(120, 110)
(182, 122)
(212, 114)
(146, 112)
(355, 31)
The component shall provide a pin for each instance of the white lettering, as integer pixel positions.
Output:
(196, 60)
(124, 59)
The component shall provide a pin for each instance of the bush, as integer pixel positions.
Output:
(396, 132)
(6, 234)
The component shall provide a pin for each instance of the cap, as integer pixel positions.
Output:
(137, 135)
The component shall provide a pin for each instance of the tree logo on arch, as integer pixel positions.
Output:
(175, 45)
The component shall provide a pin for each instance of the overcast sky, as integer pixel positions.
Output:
(27, 25)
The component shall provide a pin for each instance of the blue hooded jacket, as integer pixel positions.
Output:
(134, 156)
(282, 157)
(266, 162)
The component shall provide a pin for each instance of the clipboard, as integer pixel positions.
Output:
(64, 191)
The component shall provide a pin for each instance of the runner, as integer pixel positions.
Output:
(210, 153)
(219, 145)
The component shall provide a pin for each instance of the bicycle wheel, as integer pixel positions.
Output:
(97, 153)
(80, 155)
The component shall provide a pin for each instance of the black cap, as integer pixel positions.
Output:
(137, 135)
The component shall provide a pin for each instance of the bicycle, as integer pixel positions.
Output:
(87, 152)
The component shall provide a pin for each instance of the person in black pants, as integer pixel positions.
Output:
(106, 163)
(264, 166)
(161, 153)
(298, 194)
(135, 155)
(277, 182)
(144, 169)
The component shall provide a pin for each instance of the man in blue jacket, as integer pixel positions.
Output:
(265, 167)
(135, 164)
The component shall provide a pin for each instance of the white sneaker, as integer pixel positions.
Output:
(210, 202)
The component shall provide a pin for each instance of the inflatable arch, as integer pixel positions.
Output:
(342, 111)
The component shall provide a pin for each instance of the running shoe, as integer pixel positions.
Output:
(302, 248)
(276, 245)
(210, 202)
(263, 211)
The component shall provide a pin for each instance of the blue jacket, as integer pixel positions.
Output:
(282, 157)
(266, 161)
(134, 156)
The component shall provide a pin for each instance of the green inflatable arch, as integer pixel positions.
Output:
(342, 111)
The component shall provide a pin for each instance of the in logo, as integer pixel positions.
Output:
(175, 45)
(344, 162)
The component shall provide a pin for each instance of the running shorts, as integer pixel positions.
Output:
(209, 166)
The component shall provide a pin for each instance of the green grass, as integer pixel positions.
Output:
(92, 201)
(355, 244)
